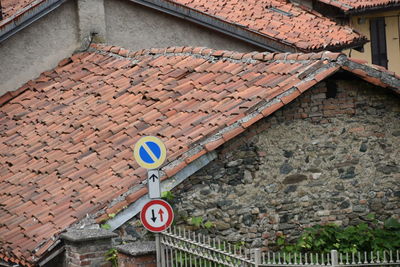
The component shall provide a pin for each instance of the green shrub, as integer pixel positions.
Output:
(366, 236)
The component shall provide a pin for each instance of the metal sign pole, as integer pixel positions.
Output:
(157, 215)
(158, 250)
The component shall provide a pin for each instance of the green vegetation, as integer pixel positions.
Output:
(198, 222)
(106, 226)
(366, 236)
(168, 196)
(112, 256)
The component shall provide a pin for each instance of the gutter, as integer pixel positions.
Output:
(373, 9)
(27, 16)
(166, 185)
(233, 30)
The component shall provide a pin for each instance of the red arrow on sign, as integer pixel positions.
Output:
(160, 212)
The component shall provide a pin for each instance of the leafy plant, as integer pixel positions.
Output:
(106, 226)
(112, 256)
(168, 196)
(198, 222)
(208, 225)
(366, 236)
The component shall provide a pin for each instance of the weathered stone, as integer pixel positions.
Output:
(205, 191)
(271, 188)
(234, 163)
(221, 225)
(257, 243)
(344, 205)
(248, 220)
(396, 133)
(247, 177)
(363, 147)
(339, 187)
(376, 205)
(387, 169)
(359, 208)
(348, 174)
(294, 179)
(286, 226)
(233, 170)
(314, 170)
(290, 189)
(255, 211)
(285, 168)
(287, 154)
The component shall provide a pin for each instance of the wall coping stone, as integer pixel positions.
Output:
(138, 248)
(85, 235)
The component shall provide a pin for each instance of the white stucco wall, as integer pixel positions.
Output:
(38, 47)
(136, 27)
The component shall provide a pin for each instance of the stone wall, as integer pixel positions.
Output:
(332, 155)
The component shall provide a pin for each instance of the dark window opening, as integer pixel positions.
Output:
(332, 89)
(378, 42)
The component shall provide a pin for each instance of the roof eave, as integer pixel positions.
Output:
(374, 9)
(338, 48)
(27, 16)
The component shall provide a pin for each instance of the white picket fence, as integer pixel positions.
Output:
(184, 248)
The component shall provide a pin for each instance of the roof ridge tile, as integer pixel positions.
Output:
(225, 54)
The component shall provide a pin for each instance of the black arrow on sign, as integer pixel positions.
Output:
(153, 218)
(154, 177)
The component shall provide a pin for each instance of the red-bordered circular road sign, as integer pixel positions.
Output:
(157, 215)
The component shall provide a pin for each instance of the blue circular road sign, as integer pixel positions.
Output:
(150, 152)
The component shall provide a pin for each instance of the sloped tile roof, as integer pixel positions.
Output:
(357, 5)
(17, 14)
(13, 7)
(66, 138)
(296, 29)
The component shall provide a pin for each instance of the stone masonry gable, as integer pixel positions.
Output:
(331, 156)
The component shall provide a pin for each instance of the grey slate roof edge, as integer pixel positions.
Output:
(27, 16)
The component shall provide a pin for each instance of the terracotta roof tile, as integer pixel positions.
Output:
(65, 154)
(357, 5)
(277, 20)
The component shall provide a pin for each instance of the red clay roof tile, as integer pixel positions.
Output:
(277, 20)
(357, 5)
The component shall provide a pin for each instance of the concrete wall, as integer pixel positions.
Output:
(136, 27)
(331, 156)
(392, 20)
(38, 47)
